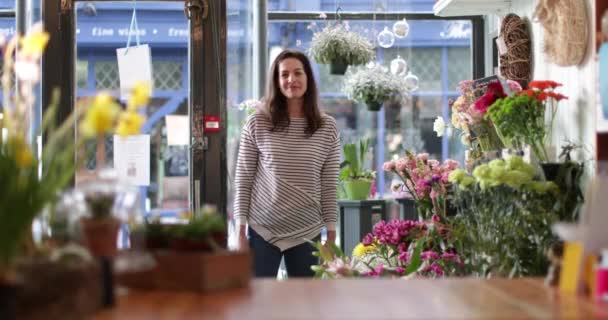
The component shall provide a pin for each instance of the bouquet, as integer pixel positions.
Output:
(520, 118)
(425, 179)
(399, 248)
(506, 214)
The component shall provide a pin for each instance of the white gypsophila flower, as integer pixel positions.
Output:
(439, 126)
(338, 43)
(367, 85)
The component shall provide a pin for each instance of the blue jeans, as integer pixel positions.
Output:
(267, 258)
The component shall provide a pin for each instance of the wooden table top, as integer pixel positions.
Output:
(463, 298)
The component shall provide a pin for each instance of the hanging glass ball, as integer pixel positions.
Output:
(411, 82)
(398, 66)
(401, 29)
(386, 38)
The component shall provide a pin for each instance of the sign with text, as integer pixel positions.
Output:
(132, 159)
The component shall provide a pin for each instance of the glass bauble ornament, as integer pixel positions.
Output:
(398, 66)
(386, 38)
(401, 29)
(411, 82)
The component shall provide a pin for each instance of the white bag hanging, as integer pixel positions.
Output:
(134, 62)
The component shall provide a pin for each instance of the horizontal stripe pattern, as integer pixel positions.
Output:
(286, 180)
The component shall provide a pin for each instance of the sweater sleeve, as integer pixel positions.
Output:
(329, 181)
(246, 167)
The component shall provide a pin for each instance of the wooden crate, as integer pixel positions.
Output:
(193, 271)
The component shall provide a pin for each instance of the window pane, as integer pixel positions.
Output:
(352, 5)
(436, 51)
(102, 27)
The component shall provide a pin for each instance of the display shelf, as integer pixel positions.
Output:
(450, 8)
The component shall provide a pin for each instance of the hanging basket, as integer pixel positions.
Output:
(338, 67)
(566, 27)
(374, 105)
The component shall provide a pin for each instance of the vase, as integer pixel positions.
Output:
(551, 170)
(338, 67)
(357, 189)
(374, 105)
(100, 235)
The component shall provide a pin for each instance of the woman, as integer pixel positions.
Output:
(287, 172)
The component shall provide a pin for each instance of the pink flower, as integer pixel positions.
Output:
(435, 218)
(422, 157)
(389, 166)
(514, 85)
(401, 165)
(433, 194)
(450, 256)
(433, 163)
(451, 164)
(429, 255)
(403, 256)
(437, 269)
(400, 270)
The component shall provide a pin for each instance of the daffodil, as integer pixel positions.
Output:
(100, 117)
(140, 96)
(34, 43)
(360, 250)
(23, 153)
(129, 123)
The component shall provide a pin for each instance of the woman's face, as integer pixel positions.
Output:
(292, 78)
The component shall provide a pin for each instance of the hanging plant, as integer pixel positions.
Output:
(373, 86)
(339, 47)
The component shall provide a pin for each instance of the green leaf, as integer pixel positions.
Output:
(416, 260)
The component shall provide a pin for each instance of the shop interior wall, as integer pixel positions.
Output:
(576, 117)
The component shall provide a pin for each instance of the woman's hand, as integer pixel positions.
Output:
(331, 237)
(242, 243)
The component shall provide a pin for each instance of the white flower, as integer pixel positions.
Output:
(465, 139)
(27, 71)
(323, 15)
(439, 126)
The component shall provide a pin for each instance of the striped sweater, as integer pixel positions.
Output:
(285, 181)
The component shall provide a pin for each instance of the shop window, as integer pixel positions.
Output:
(459, 63)
(168, 75)
(82, 74)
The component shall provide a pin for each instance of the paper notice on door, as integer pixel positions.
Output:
(134, 66)
(132, 159)
(178, 130)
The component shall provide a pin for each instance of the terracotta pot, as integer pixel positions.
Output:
(100, 235)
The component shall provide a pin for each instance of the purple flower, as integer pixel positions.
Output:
(403, 256)
(368, 239)
(450, 256)
(400, 270)
(437, 269)
(436, 178)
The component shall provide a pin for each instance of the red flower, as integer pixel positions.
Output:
(544, 84)
(529, 92)
(494, 93)
(556, 96)
(542, 96)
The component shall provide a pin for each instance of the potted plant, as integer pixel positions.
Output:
(357, 182)
(373, 86)
(205, 231)
(339, 47)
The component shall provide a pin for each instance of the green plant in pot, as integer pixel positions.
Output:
(205, 231)
(339, 47)
(373, 86)
(357, 182)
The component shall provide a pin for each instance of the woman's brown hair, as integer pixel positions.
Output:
(276, 102)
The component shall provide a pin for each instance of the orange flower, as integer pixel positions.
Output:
(529, 92)
(556, 96)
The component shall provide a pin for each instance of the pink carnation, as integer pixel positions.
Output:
(389, 166)
(422, 157)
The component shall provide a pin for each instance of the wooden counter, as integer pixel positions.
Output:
(363, 299)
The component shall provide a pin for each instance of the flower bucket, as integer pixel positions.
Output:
(338, 67)
(374, 105)
(551, 170)
(100, 236)
(357, 189)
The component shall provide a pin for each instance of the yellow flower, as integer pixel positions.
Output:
(23, 153)
(140, 96)
(33, 44)
(100, 116)
(186, 215)
(129, 123)
(360, 250)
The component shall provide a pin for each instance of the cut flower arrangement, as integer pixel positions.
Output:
(505, 218)
(520, 118)
(399, 248)
(426, 181)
